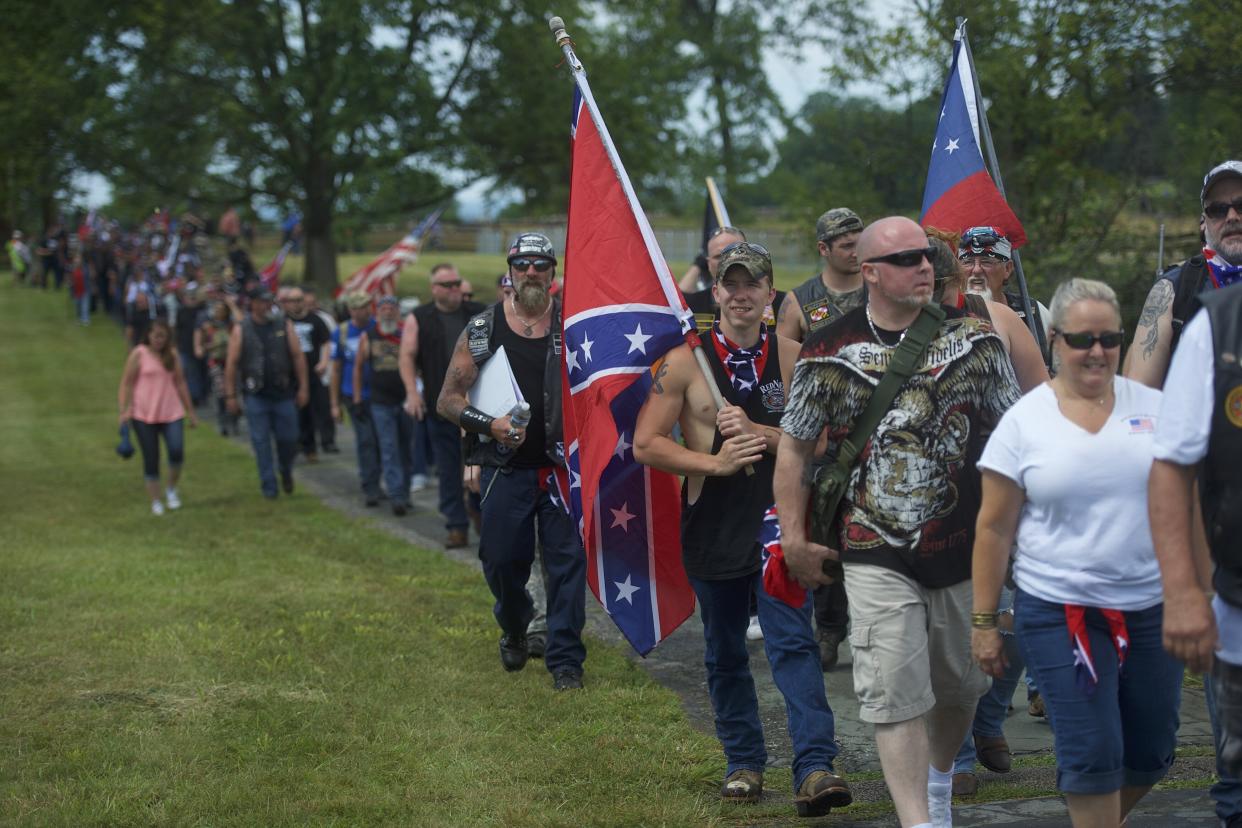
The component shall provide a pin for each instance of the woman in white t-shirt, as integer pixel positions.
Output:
(1065, 478)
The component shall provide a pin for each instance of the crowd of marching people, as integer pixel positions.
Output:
(905, 452)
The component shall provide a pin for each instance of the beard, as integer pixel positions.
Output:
(532, 296)
(387, 327)
(1229, 249)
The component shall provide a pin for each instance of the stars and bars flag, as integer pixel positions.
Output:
(959, 192)
(622, 312)
(379, 276)
(270, 275)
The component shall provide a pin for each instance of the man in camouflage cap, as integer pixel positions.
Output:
(723, 515)
(825, 297)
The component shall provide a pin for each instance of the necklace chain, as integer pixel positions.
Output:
(876, 333)
(530, 326)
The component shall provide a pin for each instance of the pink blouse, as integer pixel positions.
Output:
(155, 391)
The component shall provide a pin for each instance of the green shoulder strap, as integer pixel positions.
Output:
(906, 358)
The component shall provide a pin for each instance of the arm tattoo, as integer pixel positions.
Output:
(1157, 303)
(657, 387)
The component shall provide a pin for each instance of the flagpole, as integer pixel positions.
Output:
(664, 276)
(718, 207)
(985, 133)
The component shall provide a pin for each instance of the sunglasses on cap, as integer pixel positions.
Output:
(1217, 210)
(906, 258)
(450, 284)
(983, 237)
(1084, 341)
(751, 246)
(540, 265)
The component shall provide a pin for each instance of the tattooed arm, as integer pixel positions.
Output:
(1148, 358)
(789, 318)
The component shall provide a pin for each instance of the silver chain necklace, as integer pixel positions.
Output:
(529, 326)
(876, 333)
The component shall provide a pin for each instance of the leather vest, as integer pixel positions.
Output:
(819, 307)
(479, 341)
(1220, 483)
(266, 368)
(433, 359)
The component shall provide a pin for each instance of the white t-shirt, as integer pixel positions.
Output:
(1083, 536)
(1185, 423)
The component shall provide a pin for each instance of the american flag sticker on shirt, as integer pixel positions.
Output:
(1141, 425)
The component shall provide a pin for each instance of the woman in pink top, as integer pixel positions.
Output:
(153, 396)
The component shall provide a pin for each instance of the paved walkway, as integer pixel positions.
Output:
(678, 664)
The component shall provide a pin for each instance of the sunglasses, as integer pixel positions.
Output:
(986, 259)
(1085, 341)
(1217, 210)
(982, 238)
(751, 246)
(906, 258)
(540, 265)
(450, 284)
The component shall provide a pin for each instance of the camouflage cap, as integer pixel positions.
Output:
(358, 299)
(754, 257)
(532, 244)
(837, 222)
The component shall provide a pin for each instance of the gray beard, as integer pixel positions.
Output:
(532, 297)
(1233, 254)
(387, 328)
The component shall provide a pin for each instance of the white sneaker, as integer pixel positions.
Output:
(940, 804)
(174, 502)
(754, 632)
(418, 482)
(157, 508)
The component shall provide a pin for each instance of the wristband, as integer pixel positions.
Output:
(472, 419)
(983, 620)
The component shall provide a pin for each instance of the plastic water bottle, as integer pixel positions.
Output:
(519, 417)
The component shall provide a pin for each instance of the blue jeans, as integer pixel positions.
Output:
(446, 446)
(195, 373)
(366, 445)
(789, 641)
(513, 504)
(1227, 789)
(420, 446)
(993, 705)
(268, 418)
(148, 435)
(83, 303)
(393, 431)
(1125, 733)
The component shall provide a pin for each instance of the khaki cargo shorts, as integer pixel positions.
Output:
(911, 645)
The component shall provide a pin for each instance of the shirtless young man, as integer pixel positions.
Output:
(728, 460)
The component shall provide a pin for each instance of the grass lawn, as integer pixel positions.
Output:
(246, 662)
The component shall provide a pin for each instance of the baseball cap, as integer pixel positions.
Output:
(262, 294)
(837, 222)
(985, 240)
(358, 299)
(532, 244)
(754, 257)
(1225, 169)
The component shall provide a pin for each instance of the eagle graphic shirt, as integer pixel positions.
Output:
(914, 492)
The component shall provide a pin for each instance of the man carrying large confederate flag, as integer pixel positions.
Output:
(728, 460)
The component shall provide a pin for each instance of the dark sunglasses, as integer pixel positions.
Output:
(906, 258)
(984, 238)
(986, 259)
(540, 265)
(1085, 341)
(452, 283)
(1217, 210)
(751, 246)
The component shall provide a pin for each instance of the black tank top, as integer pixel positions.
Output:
(720, 531)
(527, 358)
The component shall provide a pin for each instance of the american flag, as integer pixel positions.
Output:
(622, 313)
(1142, 425)
(270, 275)
(380, 274)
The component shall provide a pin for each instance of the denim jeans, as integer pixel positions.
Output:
(446, 446)
(268, 418)
(1125, 732)
(393, 429)
(993, 705)
(366, 445)
(148, 435)
(420, 446)
(789, 642)
(83, 304)
(513, 506)
(1227, 789)
(194, 370)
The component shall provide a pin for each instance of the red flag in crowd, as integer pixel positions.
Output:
(270, 275)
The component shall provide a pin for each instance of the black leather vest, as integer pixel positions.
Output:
(1220, 484)
(266, 367)
(433, 360)
(819, 307)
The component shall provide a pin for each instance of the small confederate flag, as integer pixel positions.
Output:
(622, 313)
(379, 276)
(270, 275)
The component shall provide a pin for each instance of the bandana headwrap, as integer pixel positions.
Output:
(1223, 274)
(1084, 665)
(743, 365)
